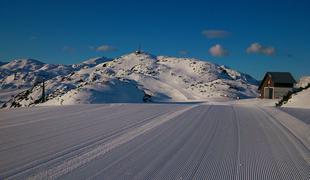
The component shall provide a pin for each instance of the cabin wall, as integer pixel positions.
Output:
(280, 92)
(265, 84)
(278, 89)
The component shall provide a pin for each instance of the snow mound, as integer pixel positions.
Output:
(111, 91)
(299, 100)
(303, 82)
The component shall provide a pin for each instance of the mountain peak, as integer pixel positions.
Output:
(138, 55)
(27, 60)
(23, 64)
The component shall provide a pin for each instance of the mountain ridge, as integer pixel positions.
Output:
(24, 73)
(147, 77)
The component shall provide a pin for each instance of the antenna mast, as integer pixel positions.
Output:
(139, 49)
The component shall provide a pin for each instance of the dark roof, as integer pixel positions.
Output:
(279, 77)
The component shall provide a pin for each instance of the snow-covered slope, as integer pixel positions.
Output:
(299, 100)
(7, 94)
(112, 91)
(303, 82)
(23, 73)
(138, 77)
(91, 62)
(301, 97)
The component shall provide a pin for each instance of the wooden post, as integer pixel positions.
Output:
(43, 91)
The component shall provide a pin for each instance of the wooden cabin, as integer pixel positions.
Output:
(276, 84)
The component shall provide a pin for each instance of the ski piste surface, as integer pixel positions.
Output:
(149, 141)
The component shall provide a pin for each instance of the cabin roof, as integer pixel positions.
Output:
(279, 77)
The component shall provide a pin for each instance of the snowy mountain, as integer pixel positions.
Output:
(138, 77)
(91, 62)
(24, 73)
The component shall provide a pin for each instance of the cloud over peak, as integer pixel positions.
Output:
(105, 48)
(218, 51)
(257, 48)
(214, 33)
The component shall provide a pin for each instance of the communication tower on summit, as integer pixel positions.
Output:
(139, 50)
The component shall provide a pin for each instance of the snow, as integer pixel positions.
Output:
(24, 73)
(158, 78)
(91, 62)
(296, 126)
(152, 141)
(300, 113)
(255, 102)
(113, 91)
(6, 95)
(23, 64)
(303, 82)
(299, 100)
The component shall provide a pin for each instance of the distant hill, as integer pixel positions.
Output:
(142, 77)
(24, 73)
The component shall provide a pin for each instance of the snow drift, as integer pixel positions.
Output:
(299, 100)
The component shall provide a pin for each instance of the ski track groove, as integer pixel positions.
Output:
(187, 162)
(74, 126)
(41, 116)
(238, 163)
(256, 164)
(278, 165)
(213, 165)
(298, 163)
(174, 151)
(33, 163)
(74, 149)
(158, 142)
(70, 164)
(205, 153)
(171, 131)
(101, 135)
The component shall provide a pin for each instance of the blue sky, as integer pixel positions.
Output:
(70, 31)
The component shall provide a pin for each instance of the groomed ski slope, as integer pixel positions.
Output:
(149, 141)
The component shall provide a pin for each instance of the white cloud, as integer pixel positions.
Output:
(105, 48)
(213, 33)
(257, 48)
(218, 51)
